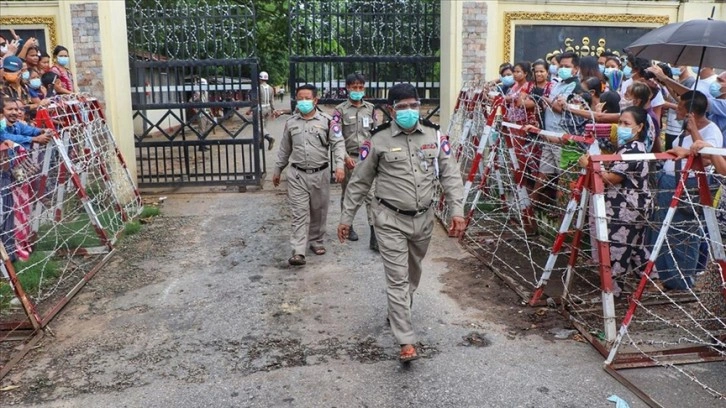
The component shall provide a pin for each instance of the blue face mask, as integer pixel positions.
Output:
(627, 71)
(356, 95)
(25, 75)
(507, 80)
(305, 106)
(696, 70)
(715, 89)
(407, 118)
(35, 83)
(553, 69)
(609, 72)
(564, 73)
(3, 125)
(624, 135)
(676, 71)
(602, 68)
(64, 61)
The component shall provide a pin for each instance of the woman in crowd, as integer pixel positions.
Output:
(613, 73)
(61, 68)
(43, 62)
(32, 57)
(589, 68)
(506, 77)
(627, 197)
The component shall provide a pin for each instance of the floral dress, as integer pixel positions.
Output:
(627, 207)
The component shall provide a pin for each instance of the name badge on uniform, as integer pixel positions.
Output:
(395, 149)
(366, 122)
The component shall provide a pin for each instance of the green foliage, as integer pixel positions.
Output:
(149, 211)
(132, 228)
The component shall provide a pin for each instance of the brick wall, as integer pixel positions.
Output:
(87, 49)
(474, 36)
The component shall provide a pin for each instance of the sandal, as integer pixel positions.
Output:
(317, 249)
(408, 353)
(297, 260)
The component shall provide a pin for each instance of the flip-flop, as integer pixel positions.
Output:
(317, 249)
(408, 353)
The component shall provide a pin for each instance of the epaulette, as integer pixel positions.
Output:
(430, 124)
(382, 126)
(325, 115)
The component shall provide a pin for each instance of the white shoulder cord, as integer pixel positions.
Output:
(438, 150)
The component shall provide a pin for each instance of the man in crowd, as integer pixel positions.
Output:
(405, 157)
(355, 117)
(305, 145)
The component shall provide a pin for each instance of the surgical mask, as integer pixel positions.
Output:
(305, 107)
(357, 95)
(553, 69)
(624, 135)
(407, 118)
(3, 124)
(507, 80)
(625, 103)
(64, 61)
(3, 49)
(35, 83)
(602, 68)
(25, 75)
(564, 73)
(609, 72)
(696, 70)
(715, 89)
(627, 71)
(676, 71)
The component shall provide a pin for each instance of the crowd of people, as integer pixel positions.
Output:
(653, 107)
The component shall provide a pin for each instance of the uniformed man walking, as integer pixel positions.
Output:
(304, 145)
(404, 157)
(267, 93)
(356, 118)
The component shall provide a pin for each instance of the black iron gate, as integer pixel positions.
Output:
(388, 41)
(193, 72)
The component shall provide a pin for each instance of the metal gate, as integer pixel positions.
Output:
(388, 41)
(193, 72)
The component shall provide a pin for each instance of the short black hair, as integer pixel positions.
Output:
(48, 78)
(575, 58)
(666, 69)
(607, 54)
(504, 67)
(696, 102)
(309, 87)
(400, 92)
(58, 49)
(640, 65)
(611, 100)
(355, 77)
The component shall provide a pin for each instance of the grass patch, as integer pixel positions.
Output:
(30, 274)
(132, 228)
(148, 211)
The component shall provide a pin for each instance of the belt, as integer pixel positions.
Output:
(310, 171)
(410, 213)
(353, 154)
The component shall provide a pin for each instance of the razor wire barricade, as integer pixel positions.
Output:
(63, 207)
(593, 248)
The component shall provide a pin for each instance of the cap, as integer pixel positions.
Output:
(12, 64)
(264, 76)
(401, 91)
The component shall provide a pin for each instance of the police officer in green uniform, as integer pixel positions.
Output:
(405, 157)
(355, 118)
(305, 143)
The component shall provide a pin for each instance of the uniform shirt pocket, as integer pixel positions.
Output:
(392, 157)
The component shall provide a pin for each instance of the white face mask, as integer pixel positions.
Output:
(3, 49)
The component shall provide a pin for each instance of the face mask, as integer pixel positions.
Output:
(407, 118)
(553, 69)
(676, 71)
(25, 75)
(715, 89)
(3, 49)
(357, 95)
(625, 103)
(627, 71)
(507, 80)
(602, 68)
(624, 135)
(564, 73)
(11, 76)
(609, 72)
(64, 61)
(35, 83)
(305, 107)
(695, 69)
(3, 125)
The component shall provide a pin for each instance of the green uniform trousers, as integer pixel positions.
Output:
(309, 196)
(403, 241)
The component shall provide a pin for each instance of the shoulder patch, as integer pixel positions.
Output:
(430, 124)
(383, 126)
(364, 150)
(445, 147)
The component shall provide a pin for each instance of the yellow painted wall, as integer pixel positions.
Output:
(451, 25)
(114, 54)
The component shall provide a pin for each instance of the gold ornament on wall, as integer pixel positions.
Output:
(33, 22)
(632, 20)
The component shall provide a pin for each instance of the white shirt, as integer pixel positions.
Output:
(711, 134)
